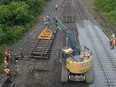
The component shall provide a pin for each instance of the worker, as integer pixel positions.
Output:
(15, 58)
(47, 20)
(44, 19)
(7, 54)
(111, 38)
(56, 7)
(5, 63)
(21, 53)
(10, 56)
(113, 43)
(7, 72)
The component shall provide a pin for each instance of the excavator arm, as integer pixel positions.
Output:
(68, 34)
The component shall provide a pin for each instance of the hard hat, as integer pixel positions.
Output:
(113, 35)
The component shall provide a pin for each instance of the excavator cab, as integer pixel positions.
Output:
(66, 52)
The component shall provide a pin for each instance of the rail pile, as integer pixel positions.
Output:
(42, 47)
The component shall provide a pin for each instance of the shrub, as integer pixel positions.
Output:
(16, 18)
(1, 54)
(15, 33)
(108, 7)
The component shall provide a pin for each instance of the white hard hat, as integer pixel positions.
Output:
(113, 35)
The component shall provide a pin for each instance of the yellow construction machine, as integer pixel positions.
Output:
(76, 63)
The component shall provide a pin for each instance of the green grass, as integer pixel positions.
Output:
(1, 68)
(91, 8)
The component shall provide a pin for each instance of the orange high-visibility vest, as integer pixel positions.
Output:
(113, 41)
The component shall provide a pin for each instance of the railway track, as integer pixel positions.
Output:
(104, 58)
(69, 20)
(105, 24)
(41, 50)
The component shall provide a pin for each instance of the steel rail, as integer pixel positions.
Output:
(106, 24)
(104, 46)
(100, 61)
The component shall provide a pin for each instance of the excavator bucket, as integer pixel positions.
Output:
(46, 34)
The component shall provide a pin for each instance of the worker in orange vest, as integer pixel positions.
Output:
(112, 36)
(7, 72)
(7, 54)
(113, 43)
(5, 63)
(10, 57)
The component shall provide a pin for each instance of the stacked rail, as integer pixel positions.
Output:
(42, 47)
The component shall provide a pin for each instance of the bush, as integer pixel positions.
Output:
(15, 33)
(1, 68)
(112, 15)
(108, 7)
(1, 54)
(16, 18)
(13, 18)
(4, 14)
(37, 7)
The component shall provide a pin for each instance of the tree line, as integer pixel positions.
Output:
(16, 18)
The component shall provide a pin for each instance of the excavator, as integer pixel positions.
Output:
(76, 62)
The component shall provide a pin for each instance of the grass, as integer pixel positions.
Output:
(1, 69)
(90, 5)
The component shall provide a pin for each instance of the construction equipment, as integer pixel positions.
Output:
(76, 64)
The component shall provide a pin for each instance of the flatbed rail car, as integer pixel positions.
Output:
(42, 47)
